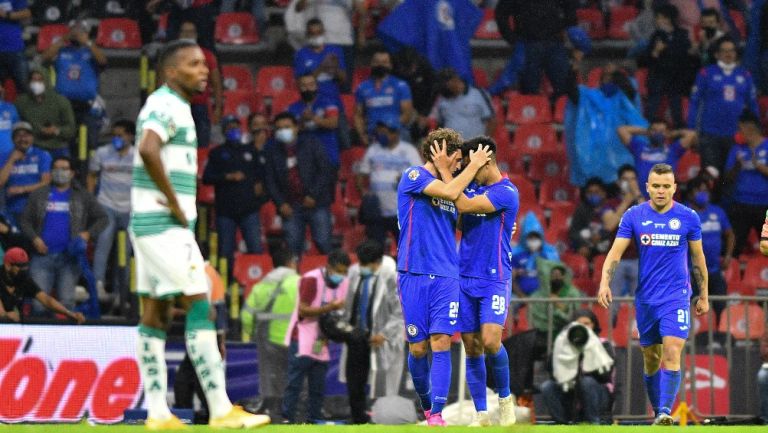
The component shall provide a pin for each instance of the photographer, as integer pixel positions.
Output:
(377, 358)
(582, 368)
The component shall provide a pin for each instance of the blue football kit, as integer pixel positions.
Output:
(486, 257)
(663, 294)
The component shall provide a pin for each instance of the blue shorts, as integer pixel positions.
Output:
(430, 305)
(655, 322)
(482, 301)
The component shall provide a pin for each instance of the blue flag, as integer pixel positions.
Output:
(593, 145)
(439, 29)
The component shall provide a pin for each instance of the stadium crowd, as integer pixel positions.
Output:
(313, 170)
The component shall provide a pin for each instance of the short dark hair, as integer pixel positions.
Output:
(282, 257)
(286, 115)
(128, 125)
(369, 251)
(662, 168)
(668, 11)
(710, 12)
(62, 158)
(748, 116)
(591, 315)
(719, 43)
(473, 142)
(253, 116)
(169, 51)
(695, 184)
(314, 22)
(338, 257)
(626, 167)
(595, 181)
(381, 50)
(563, 270)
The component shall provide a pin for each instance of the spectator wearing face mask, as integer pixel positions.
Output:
(237, 175)
(525, 277)
(49, 113)
(461, 107)
(721, 93)
(381, 96)
(709, 33)
(26, 169)
(110, 172)
(379, 174)
(299, 179)
(587, 232)
(654, 145)
(318, 116)
(717, 239)
(60, 219)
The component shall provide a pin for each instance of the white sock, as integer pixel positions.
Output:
(204, 352)
(154, 372)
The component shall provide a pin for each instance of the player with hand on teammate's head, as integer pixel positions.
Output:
(168, 261)
(664, 231)
(428, 264)
(488, 209)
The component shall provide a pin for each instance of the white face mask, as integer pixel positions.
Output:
(37, 87)
(316, 41)
(533, 244)
(726, 67)
(284, 135)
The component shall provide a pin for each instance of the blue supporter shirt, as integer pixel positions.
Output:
(714, 222)
(646, 156)
(27, 171)
(10, 31)
(427, 243)
(56, 224)
(322, 107)
(486, 240)
(8, 116)
(77, 74)
(662, 242)
(308, 60)
(751, 185)
(717, 100)
(382, 102)
(528, 279)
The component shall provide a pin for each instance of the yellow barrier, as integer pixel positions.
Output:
(121, 248)
(143, 72)
(82, 141)
(213, 247)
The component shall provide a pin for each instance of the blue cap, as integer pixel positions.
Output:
(390, 121)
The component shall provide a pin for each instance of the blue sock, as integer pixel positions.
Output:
(500, 362)
(441, 379)
(652, 386)
(476, 382)
(419, 368)
(668, 386)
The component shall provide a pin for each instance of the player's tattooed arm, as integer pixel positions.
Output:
(698, 276)
(611, 270)
(699, 268)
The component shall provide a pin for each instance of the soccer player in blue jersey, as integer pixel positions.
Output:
(428, 263)
(488, 211)
(664, 231)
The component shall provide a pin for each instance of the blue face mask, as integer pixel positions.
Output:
(609, 89)
(335, 279)
(701, 198)
(657, 139)
(365, 271)
(383, 139)
(118, 143)
(234, 134)
(594, 199)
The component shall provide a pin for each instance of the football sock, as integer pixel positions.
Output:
(670, 383)
(154, 372)
(476, 376)
(204, 353)
(652, 386)
(441, 379)
(500, 363)
(419, 368)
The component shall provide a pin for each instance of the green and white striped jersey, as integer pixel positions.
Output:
(168, 115)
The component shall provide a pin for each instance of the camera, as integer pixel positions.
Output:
(578, 335)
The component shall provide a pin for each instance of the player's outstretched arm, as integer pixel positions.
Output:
(451, 190)
(612, 260)
(478, 204)
(700, 274)
(149, 150)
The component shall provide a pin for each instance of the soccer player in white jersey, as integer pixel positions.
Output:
(665, 232)
(168, 261)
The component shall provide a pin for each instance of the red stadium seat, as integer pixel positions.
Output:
(309, 262)
(586, 285)
(205, 194)
(755, 275)
(592, 21)
(521, 321)
(348, 100)
(738, 21)
(597, 267)
(560, 213)
(119, 33)
(353, 237)
(282, 101)
(241, 103)
(743, 316)
(236, 28)
(273, 80)
(202, 160)
(641, 76)
(557, 190)
(762, 102)
(733, 276)
(689, 166)
(535, 139)
(236, 77)
(249, 269)
(604, 317)
(626, 323)
(557, 236)
(560, 105)
(488, 28)
(621, 16)
(526, 190)
(700, 324)
(480, 77)
(49, 35)
(528, 109)
(359, 75)
(593, 77)
(549, 165)
(578, 264)
(349, 161)
(270, 221)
